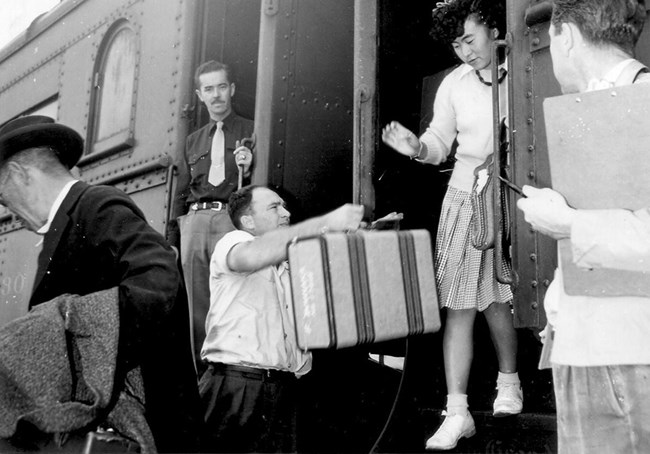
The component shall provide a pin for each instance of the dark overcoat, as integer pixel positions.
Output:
(100, 239)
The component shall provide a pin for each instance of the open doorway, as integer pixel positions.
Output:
(409, 64)
(410, 67)
(230, 32)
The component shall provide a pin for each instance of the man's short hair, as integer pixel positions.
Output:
(239, 204)
(45, 159)
(211, 66)
(603, 22)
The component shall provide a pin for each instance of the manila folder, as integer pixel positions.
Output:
(599, 153)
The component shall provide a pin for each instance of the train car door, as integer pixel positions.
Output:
(407, 59)
(305, 102)
(534, 256)
(401, 87)
(394, 55)
(228, 31)
(304, 125)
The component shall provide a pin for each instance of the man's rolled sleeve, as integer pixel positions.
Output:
(219, 260)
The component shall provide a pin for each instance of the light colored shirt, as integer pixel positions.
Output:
(55, 207)
(249, 322)
(610, 77)
(463, 110)
(600, 331)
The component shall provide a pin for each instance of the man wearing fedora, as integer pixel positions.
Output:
(96, 238)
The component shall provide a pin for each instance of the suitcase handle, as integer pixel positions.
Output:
(389, 222)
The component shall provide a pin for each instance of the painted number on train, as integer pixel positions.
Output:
(13, 285)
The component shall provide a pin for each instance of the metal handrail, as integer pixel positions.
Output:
(496, 157)
(169, 187)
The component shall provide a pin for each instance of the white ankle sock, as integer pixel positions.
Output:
(457, 404)
(508, 378)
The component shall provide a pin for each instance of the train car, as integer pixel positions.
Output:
(320, 78)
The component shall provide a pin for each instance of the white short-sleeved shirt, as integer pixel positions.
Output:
(249, 322)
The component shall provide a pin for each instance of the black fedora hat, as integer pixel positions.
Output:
(40, 131)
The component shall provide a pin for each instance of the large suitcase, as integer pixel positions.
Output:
(364, 287)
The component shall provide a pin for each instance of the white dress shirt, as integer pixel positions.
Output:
(55, 207)
(249, 322)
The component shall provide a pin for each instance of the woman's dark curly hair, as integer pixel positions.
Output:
(449, 19)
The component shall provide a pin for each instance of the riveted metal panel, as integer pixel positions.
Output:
(309, 142)
(230, 33)
(277, 50)
(151, 198)
(22, 92)
(157, 89)
(19, 250)
(365, 102)
(320, 105)
(52, 39)
(534, 255)
(164, 68)
(56, 60)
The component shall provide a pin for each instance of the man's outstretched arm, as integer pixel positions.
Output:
(271, 247)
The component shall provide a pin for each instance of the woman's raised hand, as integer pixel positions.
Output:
(401, 139)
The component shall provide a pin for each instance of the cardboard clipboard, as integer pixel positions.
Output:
(599, 153)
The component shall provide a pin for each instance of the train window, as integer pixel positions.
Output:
(113, 98)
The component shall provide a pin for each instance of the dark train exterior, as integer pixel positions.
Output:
(320, 78)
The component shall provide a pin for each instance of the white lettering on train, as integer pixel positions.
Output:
(12, 285)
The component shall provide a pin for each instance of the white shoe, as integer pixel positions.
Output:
(509, 401)
(452, 429)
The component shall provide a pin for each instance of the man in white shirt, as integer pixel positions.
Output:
(248, 390)
(601, 363)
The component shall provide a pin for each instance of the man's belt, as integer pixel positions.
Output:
(251, 372)
(217, 206)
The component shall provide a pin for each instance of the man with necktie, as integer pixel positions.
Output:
(208, 172)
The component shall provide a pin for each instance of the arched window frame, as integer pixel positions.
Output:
(124, 139)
